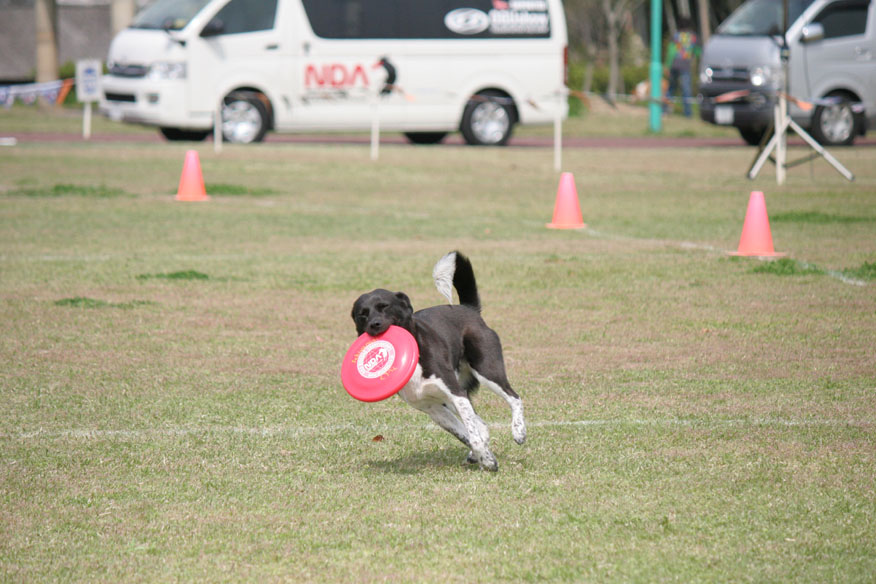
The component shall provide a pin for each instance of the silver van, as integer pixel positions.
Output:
(831, 65)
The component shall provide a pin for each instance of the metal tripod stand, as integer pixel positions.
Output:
(779, 142)
(782, 121)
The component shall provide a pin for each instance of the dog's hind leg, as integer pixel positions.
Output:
(518, 423)
(483, 352)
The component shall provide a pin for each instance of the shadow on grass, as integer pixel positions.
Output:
(451, 458)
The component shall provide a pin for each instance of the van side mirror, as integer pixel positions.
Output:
(812, 32)
(213, 28)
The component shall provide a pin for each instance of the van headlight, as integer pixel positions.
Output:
(167, 70)
(763, 76)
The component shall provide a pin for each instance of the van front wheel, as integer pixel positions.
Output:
(425, 137)
(177, 134)
(244, 118)
(835, 124)
(752, 135)
(488, 120)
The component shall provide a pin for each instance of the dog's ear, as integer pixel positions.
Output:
(403, 298)
(360, 326)
(406, 311)
(355, 308)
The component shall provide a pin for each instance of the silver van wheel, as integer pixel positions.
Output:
(244, 118)
(834, 125)
(487, 121)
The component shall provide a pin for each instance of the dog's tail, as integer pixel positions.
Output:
(455, 270)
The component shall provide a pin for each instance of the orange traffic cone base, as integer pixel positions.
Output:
(567, 209)
(191, 182)
(756, 239)
(565, 226)
(759, 254)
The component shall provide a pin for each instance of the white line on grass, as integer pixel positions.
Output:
(712, 249)
(293, 431)
(85, 258)
(589, 230)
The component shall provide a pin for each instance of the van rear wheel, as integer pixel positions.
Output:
(244, 117)
(488, 119)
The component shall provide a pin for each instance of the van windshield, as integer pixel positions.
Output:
(168, 14)
(761, 17)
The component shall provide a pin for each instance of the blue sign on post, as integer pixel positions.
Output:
(88, 80)
(87, 90)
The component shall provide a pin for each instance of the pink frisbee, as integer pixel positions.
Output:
(376, 368)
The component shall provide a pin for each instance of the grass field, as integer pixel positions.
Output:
(170, 371)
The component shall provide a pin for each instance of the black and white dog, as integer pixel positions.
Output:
(458, 352)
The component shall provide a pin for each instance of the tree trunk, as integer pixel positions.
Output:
(613, 51)
(684, 8)
(669, 16)
(122, 12)
(705, 30)
(45, 13)
(587, 83)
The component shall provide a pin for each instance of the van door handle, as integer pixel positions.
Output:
(272, 47)
(862, 53)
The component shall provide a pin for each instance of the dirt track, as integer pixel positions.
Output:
(454, 139)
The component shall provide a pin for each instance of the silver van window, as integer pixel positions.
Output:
(761, 17)
(846, 18)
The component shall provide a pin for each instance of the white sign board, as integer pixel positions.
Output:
(88, 80)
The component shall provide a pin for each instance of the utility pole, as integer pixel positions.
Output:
(656, 106)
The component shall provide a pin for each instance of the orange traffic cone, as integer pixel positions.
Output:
(567, 210)
(756, 238)
(191, 183)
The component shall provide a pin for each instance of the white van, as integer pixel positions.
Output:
(831, 64)
(426, 68)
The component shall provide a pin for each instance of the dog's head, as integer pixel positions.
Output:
(375, 311)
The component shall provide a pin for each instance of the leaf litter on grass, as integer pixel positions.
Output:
(86, 302)
(179, 275)
(71, 190)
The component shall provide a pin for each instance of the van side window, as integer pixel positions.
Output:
(846, 18)
(354, 19)
(379, 19)
(240, 16)
(428, 19)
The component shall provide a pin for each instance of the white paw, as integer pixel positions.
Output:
(489, 462)
(518, 431)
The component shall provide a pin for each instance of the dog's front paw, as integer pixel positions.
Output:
(518, 423)
(518, 431)
(487, 462)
